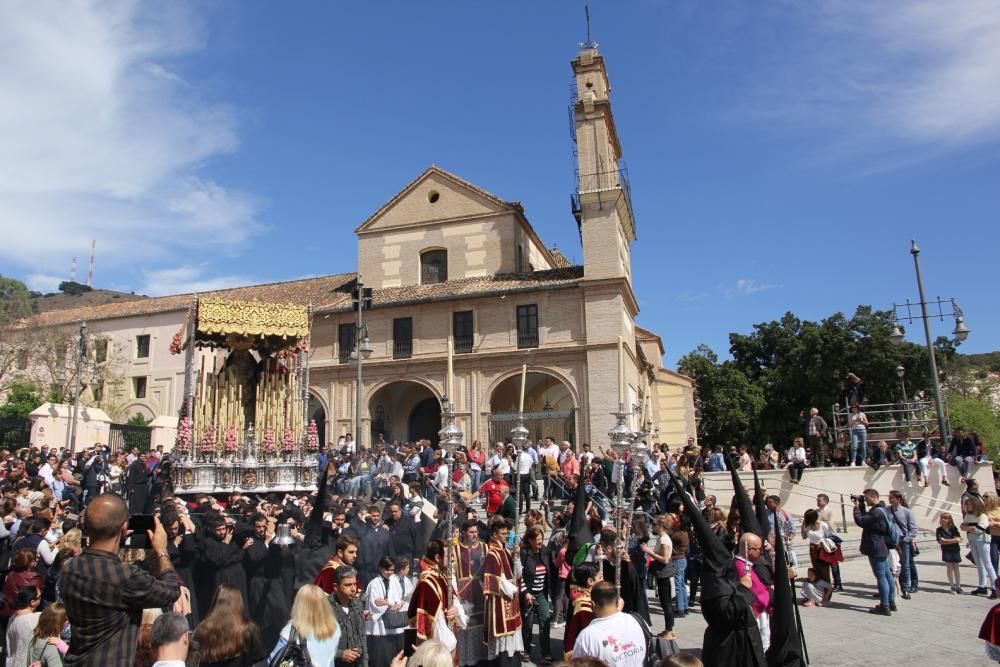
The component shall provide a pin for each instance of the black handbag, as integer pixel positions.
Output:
(294, 654)
(393, 619)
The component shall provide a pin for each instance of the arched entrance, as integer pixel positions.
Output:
(425, 420)
(317, 412)
(404, 411)
(548, 407)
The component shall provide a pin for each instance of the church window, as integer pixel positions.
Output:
(433, 196)
(527, 326)
(462, 331)
(433, 267)
(139, 387)
(402, 338)
(345, 339)
(142, 346)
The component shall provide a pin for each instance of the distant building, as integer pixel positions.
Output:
(447, 258)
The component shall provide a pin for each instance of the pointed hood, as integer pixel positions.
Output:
(579, 527)
(748, 519)
(786, 646)
(719, 576)
(315, 534)
(760, 506)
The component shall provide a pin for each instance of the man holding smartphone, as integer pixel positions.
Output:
(104, 597)
(874, 530)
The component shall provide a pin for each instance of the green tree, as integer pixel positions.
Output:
(729, 404)
(137, 420)
(787, 366)
(22, 398)
(976, 414)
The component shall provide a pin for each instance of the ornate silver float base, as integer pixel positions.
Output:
(245, 476)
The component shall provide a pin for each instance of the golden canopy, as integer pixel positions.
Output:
(219, 317)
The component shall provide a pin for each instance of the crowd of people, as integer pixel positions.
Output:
(366, 569)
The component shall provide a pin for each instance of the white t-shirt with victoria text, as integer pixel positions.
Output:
(618, 640)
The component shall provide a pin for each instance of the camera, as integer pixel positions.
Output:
(858, 499)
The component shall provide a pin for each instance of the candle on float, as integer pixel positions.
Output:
(621, 371)
(524, 380)
(451, 372)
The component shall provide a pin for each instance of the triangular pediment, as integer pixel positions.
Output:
(434, 196)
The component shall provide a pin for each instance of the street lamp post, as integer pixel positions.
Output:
(960, 333)
(362, 350)
(81, 354)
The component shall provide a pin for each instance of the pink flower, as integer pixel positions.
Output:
(182, 443)
(269, 444)
(230, 443)
(312, 437)
(208, 438)
(288, 441)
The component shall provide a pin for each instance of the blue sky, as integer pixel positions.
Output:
(781, 155)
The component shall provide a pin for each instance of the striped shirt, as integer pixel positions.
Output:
(104, 599)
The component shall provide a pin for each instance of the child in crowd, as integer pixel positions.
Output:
(949, 537)
(814, 590)
(894, 555)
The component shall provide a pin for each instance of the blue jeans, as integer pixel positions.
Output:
(906, 469)
(883, 577)
(859, 445)
(681, 585)
(964, 464)
(477, 479)
(906, 567)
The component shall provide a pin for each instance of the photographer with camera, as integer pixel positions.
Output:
(872, 516)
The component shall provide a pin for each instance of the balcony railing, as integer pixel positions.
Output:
(402, 349)
(527, 339)
(463, 344)
(603, 181)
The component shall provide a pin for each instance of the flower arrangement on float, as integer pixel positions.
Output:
(312, 437)
(269, 446)
(208, 439)
(287, 442)
(182, 443)
(230, 443)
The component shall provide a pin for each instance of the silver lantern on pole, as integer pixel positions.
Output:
(450, 438)
(519, 436)
(621, 438)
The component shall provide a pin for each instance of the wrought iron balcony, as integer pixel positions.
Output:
(402, 349)
(463, 344)
(527, 339)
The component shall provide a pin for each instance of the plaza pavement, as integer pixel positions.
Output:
(933, 629)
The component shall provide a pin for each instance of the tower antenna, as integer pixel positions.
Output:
(72, 271)
(90, 273)
(589, 44)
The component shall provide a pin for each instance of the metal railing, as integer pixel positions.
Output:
(603, 181)
(463, 344)
(527, 338)
(886, 420)
(15, 433)
(402, 349)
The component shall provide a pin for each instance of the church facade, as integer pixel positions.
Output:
(451, 265)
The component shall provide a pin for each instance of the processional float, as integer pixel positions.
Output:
(243, 424)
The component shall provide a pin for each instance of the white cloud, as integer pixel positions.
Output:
(901, 79)
(41, 282)
(744, 287)
(103, 138)
(187, 279)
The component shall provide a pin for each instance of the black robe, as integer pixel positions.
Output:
(630, 593)
(218, 563)
(182, 557)
(138, 487)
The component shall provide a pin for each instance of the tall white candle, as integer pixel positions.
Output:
(621, 371)
(524, 379)
(451, 372)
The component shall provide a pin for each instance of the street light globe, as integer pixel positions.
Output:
(900, 371)
(961, 331)
(365, 347)
(896, 335)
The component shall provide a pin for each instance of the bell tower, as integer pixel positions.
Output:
(602, 207)
(602, 204)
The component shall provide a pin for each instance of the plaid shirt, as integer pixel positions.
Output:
(104, 599)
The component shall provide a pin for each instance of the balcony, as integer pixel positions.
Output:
(605, 187)
(402, 349)
(527, 339)
(463, 344)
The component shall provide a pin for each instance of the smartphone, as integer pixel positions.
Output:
(138, 524)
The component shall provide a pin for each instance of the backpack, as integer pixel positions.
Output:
(892, 537)
(656, 649)
(294, 654)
